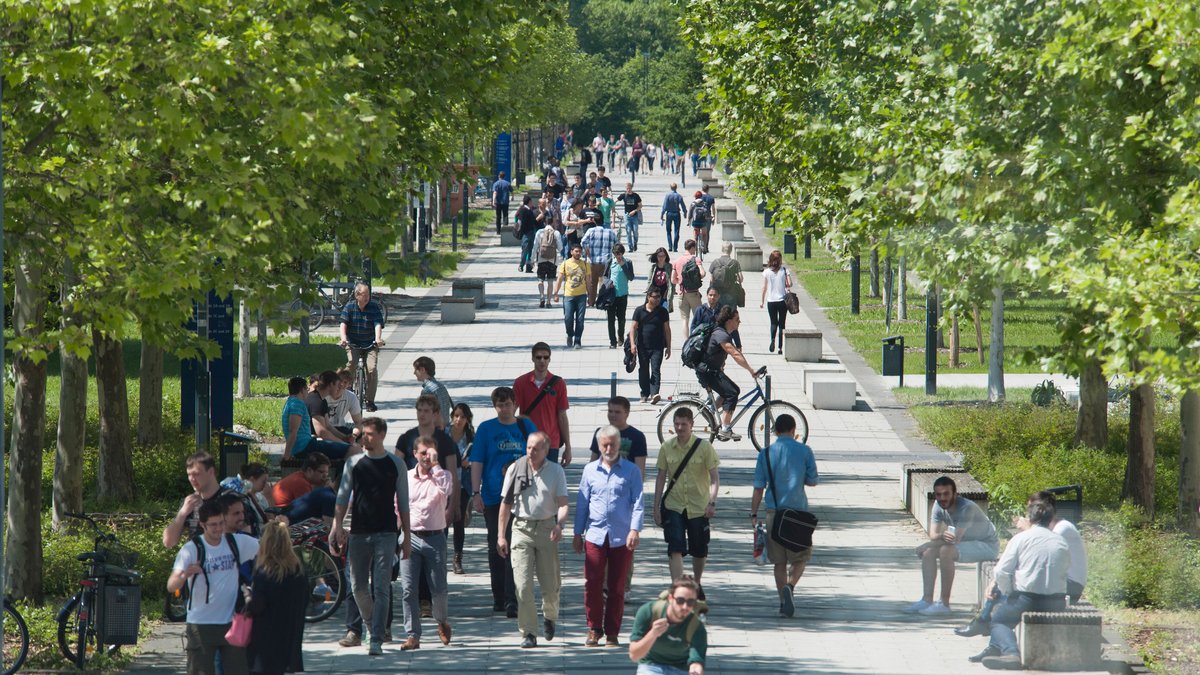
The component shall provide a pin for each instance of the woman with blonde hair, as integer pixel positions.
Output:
(278, 599)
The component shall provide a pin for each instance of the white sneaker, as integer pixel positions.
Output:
(918, 606)
(935, 609)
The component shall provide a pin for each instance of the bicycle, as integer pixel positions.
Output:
(705, 413)
(106, 611)
(332, 299)
(359, 362)
(324, 570)
(16, 639)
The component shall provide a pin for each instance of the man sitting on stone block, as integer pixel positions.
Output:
(959, 531)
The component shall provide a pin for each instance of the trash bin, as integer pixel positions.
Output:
(893, 356)
(234, 452)
(1068, 500)
(789, 244)
(520, 177)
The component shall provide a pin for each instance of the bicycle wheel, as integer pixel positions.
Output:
(76, 636)
(705, 424)
(759, 422)
(316, 316)
(326, 588)
(382, 306)
(175, 605)
(16, 640)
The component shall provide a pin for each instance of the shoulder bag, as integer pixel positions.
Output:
(790, 528)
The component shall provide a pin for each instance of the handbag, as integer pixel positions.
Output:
(792, 301)
(238, 634)
(631, 363)
(790, 528)
(662, 506)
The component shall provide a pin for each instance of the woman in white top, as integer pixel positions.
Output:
(776, 281)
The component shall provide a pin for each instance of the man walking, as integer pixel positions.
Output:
(501, 194)
(374, 491)
(725, 274)
(534, 495)
(688, 276)
(429, 492)
(573, 273)
(632, 202)
(598, 242)
(547, 245)
(673, 213)
(668, 637)
(650, 341)
(633, 441)
(424, 370)
(542, 397)
(782, 472)
(498, 442)
(362, 337)
(959, 531)
(685, 495)
(527, 228)
(608, 523)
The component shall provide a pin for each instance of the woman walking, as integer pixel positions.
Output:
(277, 604)
(650, 340)
(660, 273)
(776, 282)
(462, 432)
(620, 270)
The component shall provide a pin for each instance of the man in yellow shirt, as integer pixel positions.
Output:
(685, 495)
(574, 274)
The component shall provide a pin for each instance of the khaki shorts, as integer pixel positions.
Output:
(776, 552)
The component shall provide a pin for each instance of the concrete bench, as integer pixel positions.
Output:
(908, 469)
(749, 256)
(726, 212)
(470, 288)
(705, 174)
(457, 310)
(832, 392)
(1066, 640)
(715, 189)
(808, 370)
(801, 344)
(733, 230)
(922, 485)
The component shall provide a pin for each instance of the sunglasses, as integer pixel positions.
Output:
(684, 601)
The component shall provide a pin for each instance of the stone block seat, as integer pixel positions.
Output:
(457, 310)
(474, 289)
(1066, 640)
(831, 391)
(801, 344)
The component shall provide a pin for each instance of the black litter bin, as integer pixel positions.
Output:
(234, 452)
(789, 244)
(1068, 502)
(520, 176)
(893, 356)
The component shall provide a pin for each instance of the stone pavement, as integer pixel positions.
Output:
(863, 571)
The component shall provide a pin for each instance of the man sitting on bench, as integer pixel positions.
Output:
(959, 531)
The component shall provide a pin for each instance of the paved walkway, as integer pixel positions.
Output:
(848, 603)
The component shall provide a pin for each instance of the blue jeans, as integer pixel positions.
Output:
(370, 558)
(672, 226)
(427, 562)
(574, 307)
(315, 504)
(631, 230)
(527, 249)
(1007, 615)
(659, 669)
(331, 449)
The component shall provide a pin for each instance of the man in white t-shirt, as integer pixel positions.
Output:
(546, 245)
(212, 579)
(344, 407)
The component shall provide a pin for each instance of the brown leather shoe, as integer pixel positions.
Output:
(410, 644)
(593, 638)
(444, 633)
(612, 641)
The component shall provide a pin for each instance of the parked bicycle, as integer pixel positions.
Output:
(16, 639)
(706, 414)
(106, 611)
(324, 570)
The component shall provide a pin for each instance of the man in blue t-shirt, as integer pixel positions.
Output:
(792, 466)
(498, 443)
(501, 194)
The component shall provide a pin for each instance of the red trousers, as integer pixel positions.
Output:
(600, 561)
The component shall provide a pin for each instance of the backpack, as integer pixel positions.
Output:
(724, 276)
(690, 275)
(585, 156)
(201, 555)
(548, 250)
(660, 278)
(700, 211)
(606, 292)
(659, 609)
(696, 345)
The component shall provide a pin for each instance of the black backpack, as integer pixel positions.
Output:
(700, 211)
(690, 275)
(202, 555)
(696, 345)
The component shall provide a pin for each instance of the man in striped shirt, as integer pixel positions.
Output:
(598, 244)
(362, 333)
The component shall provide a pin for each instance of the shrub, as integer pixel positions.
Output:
(1135, 563)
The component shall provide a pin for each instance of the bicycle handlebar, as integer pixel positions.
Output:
(760, 372)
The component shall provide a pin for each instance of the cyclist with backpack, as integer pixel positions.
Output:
(688, 277)
(673, 212)
(710, 371)
(700, 218)
(684, 648)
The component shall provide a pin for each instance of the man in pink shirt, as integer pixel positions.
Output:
(687, 274)
(429, 488)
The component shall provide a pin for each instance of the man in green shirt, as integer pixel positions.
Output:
(668, 637)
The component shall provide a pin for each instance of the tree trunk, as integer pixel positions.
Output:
(902, 289)
(875, 272)
(114, 475)
(262, 345)
(996, 348)
(1091, 424)
(150, 396)
(72, 418)
(978, 333)
(1139, 450)
(243, 374)
(24, 555)
(954, 342)
(1189, 462)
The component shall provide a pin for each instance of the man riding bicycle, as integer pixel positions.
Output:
(362, 335)
(711, 370)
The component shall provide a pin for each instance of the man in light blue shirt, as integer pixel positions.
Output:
(792, 466)
(608, 522)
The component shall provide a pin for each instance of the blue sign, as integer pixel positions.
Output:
(503, 156)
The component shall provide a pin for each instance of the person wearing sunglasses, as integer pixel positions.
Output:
(668, 637)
